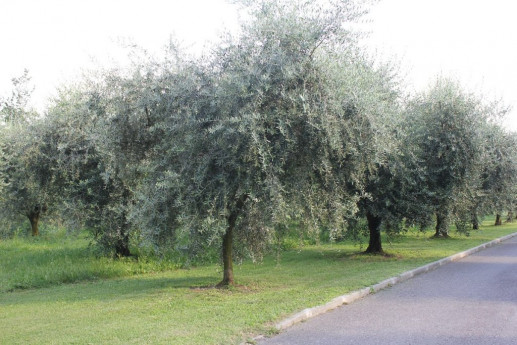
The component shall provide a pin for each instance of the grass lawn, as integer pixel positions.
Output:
(118, 303)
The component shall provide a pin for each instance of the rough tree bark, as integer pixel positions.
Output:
(122, 243)
(374, 226)
(498, 220)
(475, 221)
(122, 240)
(227, 249)
(228, 254)
(34, 216)
(442, 223)
(34, 220)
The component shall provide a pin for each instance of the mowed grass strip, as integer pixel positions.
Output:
(46, 261)
(180, 307)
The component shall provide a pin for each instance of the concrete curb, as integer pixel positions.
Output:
(355, 295)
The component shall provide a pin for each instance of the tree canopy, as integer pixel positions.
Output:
(286, 122)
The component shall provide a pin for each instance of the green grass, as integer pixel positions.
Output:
(46, 261)
(178, 306)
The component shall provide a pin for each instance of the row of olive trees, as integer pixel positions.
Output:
(287, 122)
(464, 172)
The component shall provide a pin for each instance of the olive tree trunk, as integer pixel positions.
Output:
(228, 256)
(227, 247)
(442, 223)
(122, 243)
(34, 216)
(475, 221)
(122, 238)
(34, 220)
(374, 226)
(498, 220)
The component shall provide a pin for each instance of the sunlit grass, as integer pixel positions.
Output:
(179, 306)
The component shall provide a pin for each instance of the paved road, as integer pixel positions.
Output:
(471, 301)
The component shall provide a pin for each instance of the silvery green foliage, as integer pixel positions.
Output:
(447, 125)
(497, 184)
(139, 139)
(3, 164)
(108, 152)
(25, 165)
(173, 90)
(263, 130)
(27, 172)
(103, 132)
(16, 109)
(372, 93)
(84, 192)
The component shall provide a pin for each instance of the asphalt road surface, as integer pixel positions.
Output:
(470, 301)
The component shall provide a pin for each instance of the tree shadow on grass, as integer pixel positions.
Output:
(378, 255)
(104, 290)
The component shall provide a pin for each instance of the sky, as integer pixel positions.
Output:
(473, 41)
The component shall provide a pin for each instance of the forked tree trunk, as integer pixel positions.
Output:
(442, 223)
(509, 218)
(34, 220)
(498, 220)
(374, 226)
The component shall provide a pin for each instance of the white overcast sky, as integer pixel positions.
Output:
(474, 41)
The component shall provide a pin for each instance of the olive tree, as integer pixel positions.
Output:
(80, 175)
(260, 133)
(27, 173)
(25, 170)
(446, 127)
(15, 108)
(371, 93)
(100, 145)
(497, 191)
